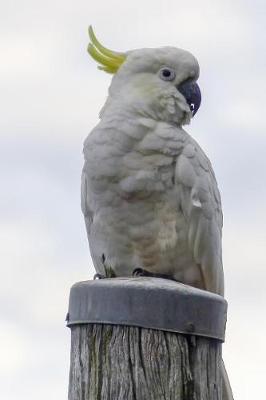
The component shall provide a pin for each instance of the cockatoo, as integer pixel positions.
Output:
(149, 194)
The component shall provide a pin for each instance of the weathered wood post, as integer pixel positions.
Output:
(145, 339)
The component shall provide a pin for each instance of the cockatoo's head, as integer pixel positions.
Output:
(157, 83)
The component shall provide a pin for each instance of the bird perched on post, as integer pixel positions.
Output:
(149, 194)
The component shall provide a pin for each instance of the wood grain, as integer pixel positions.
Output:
(110, 362)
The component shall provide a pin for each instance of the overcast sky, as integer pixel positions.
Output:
(50, 97)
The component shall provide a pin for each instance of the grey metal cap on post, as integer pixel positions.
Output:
(148, 303)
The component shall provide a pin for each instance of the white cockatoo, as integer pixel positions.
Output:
(149, 194)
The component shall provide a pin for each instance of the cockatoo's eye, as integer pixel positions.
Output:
(167, 74)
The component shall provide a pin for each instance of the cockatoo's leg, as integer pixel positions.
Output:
(144, 272)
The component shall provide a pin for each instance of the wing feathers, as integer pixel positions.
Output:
(201, 205)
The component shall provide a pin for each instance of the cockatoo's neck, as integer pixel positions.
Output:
(157, 103)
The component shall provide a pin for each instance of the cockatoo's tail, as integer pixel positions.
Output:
(110, 60)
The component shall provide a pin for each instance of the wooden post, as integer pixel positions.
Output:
(145, 339)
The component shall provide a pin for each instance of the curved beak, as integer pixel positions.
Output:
(192, 94)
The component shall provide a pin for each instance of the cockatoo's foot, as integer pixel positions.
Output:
(98, 276)
(144, 272)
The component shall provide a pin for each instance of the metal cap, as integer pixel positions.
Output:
(146, 302)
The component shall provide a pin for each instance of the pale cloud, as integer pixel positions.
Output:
(26, 57)
(13, 349)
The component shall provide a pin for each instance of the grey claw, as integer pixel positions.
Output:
(98, 276)
(138, 272)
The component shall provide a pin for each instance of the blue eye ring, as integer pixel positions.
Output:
(167, 74)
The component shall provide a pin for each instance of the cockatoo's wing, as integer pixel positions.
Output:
(201, 205)
(88, 217)
(88, 214)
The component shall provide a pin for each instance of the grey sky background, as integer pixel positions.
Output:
(50, 97)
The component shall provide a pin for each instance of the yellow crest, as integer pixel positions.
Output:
(110, 60)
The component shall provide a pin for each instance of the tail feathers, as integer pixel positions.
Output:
(227, 393)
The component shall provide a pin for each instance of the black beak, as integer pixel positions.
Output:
(192, 94)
